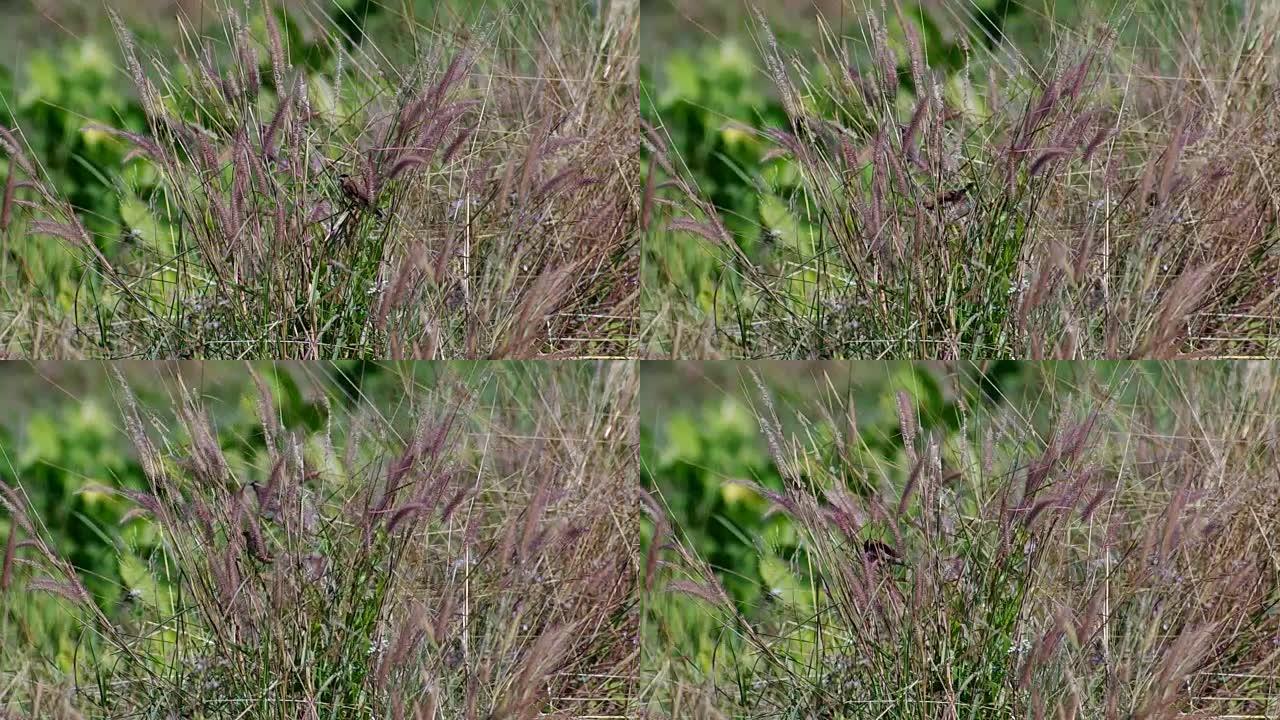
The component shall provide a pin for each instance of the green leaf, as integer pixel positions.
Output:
(684, 441)
(683, 81)
(44, 81)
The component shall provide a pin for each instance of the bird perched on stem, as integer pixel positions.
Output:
(876, 552)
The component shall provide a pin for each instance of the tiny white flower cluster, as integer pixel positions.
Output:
(199, 305)
(1021, 646)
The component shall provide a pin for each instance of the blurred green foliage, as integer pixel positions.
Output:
(61, 95)
(66, 92)
(83, 523)
(710, 105)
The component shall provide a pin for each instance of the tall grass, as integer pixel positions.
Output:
(1112, 202)
(472, 557)
(1106, 553)
(473, 200)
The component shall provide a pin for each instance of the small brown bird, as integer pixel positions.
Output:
(876, 552)
(357, 190)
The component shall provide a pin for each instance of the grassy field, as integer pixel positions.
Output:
(964, 180)
(318, 541)
(324, 180)
(915, 540)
